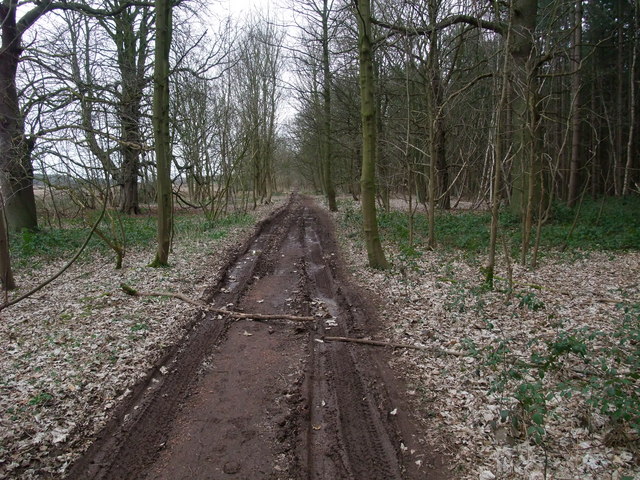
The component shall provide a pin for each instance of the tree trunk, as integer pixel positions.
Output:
(437, 123)
(576, 84)
(527, 163)
(16, 170)
(6, 274)
(130, 203)
(355, 174)
(444, 194)
(501, 113)
(330, 190)
(369, 141)
(626, 184)
(619, 119)
(132, 49)
(434, 123)
(161, 130)
(384, 182)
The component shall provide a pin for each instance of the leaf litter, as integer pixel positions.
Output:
(435, 300)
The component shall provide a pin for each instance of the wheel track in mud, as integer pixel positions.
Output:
(143, 418)
(335, 423)
(367, 446)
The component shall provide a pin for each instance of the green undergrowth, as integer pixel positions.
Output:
(601, 369)
(610, 224)
(31, 248)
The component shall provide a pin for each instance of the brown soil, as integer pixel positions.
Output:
(242, 399)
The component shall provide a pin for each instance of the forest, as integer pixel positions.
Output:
(477, 161)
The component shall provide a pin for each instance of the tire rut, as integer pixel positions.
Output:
(246, 399)
(138, 427)
(354, 419)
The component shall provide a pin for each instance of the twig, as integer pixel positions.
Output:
(256, 316)
(380, 343)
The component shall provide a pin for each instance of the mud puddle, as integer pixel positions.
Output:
(269, 400)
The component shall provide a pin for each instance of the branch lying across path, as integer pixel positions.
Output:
(380, 343)
(255, 316)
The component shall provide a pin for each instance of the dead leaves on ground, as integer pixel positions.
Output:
(435, 301)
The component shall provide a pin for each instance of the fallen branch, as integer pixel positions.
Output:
(380, 343)
(255, 316)
(260, 316)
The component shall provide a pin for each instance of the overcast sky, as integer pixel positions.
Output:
(240, 8)
(274, 8)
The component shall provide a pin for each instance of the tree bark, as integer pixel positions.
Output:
(161, 130)
(576, 118)
(369, 141)
(330, 190)
(16, 170)
(6, 274)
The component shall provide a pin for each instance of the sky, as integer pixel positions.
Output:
(238, 8)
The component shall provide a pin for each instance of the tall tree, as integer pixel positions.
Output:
(259, 94)
(317, 20)
(369, 140)
(103, 102)
(330, 190)
(130, 33)
(527, 171)
(16, 171)
(635, 38)
(161, 132)
(576, 118)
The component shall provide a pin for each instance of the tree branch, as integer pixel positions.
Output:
(69, 263)
(380, 343)
(497, 27)
(255, 316)
(29, 18)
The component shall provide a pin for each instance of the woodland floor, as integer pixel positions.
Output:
(491, 354)
(155, 388)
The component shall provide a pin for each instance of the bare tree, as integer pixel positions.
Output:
(369, 143)
(16, 169)
(259, 94)
(161, 131)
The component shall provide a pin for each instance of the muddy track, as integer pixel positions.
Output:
(256, 400)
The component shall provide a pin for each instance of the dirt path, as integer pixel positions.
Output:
(257, 400)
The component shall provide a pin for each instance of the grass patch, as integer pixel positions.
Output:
(41, 399)
(459, 230)
(30, 248)
(609, 224)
